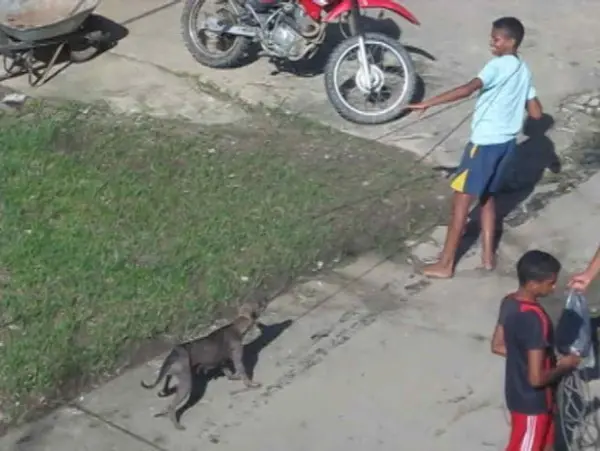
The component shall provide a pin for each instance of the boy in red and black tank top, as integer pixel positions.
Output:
(524, 335)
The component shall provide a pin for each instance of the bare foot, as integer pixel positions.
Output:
(252, 384)
(437, 271)
(488, 264)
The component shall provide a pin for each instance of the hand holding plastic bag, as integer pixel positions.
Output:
(574, 331)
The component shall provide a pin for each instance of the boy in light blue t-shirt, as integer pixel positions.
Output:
(506, 91)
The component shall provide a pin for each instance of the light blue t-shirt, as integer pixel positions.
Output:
(500, 107)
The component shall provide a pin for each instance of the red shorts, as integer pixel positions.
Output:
(531, 432)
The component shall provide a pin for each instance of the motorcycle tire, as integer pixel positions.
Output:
(339, 103)
(230, 58)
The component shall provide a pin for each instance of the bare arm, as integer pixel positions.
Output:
(507, 306)
(540, 377)
(498, 345)
(531, 336)
(582, 280)
(594, 267)
(534, 108)
(461, 92)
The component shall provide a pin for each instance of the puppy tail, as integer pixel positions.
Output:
(164, 369)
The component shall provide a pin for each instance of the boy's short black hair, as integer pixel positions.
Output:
(537, 266)
(512, 27)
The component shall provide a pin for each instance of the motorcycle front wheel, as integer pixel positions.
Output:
(378, 99)
(229, 50)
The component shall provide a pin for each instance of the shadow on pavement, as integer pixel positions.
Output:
(43, 55)
(525, 169)
(269, 333)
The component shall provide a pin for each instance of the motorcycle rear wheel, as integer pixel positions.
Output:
(335, 92)
(237, 45)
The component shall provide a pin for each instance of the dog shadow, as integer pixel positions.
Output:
(268, 334)
(525, 168)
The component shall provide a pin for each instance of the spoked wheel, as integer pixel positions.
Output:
(35, 73)
(578, 419)
(374, 88)
(13, 65)
(12, 62)
(81, 51)
(208, 48)
(88, 46)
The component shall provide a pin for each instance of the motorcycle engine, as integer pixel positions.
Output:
(288, 37)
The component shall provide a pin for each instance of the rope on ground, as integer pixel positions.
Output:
(348, 283)
(424, 118)
(404, 183)
(392, 189)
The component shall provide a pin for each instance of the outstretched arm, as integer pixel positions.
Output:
(461, 92)
(487, 78)
(582, 280)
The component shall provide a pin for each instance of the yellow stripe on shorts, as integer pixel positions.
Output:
(473, 150)
(459, 182)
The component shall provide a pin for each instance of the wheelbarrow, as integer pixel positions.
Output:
(27, 26)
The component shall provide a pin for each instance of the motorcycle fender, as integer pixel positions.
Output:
(390, 5)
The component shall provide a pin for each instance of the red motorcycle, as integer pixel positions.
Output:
(293, 30)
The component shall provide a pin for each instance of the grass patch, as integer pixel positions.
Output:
(115, 230)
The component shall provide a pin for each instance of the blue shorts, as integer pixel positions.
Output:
(480, 170)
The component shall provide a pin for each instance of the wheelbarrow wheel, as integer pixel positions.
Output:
(91, 41)
(82, 52)
(13, 64)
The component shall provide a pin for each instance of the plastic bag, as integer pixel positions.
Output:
(574, 331)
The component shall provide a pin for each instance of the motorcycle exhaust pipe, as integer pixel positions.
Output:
(214, 25)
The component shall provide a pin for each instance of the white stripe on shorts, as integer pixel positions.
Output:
(529, 437)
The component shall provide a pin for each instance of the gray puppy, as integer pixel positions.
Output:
(203, 354)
